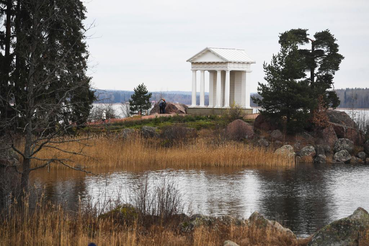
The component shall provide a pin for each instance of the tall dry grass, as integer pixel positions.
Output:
(102, 152)
(51, 225)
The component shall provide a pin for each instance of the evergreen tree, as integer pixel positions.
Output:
(300, 80)
(285, 98)
(140, 100)
(322, 60)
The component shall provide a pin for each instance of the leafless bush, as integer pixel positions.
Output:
(234, 113)
(160, 202)
(177, 134)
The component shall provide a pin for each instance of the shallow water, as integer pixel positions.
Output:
(304, 198)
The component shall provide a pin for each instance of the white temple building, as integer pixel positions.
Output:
(228, 83)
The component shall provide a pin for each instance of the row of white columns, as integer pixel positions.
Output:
(218, 94)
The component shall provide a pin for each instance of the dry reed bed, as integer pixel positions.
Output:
(139, 152)
(51, 225)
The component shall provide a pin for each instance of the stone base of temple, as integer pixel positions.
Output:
(213, 111)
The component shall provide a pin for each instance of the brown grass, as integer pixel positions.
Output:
(138, 152)
(51, 225)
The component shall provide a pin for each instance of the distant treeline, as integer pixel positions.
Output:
(353, 98)
(113, 96)
(350, 98)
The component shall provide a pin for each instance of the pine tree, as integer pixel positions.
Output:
(297, 77)
(285, 98)
(140, 99)
(321, 61)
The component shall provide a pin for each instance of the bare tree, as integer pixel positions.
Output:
(50, 91)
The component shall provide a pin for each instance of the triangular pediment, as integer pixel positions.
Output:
(208, 55)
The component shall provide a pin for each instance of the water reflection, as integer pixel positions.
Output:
(304, 198)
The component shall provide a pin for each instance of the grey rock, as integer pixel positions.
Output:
(367, 160)
(343, 232)
(149, 132)
(263, 143)
(342, 156)
(362, 155)
(127, 133)
(276, 135)
(285, 150)
(344, 144)
(260, 222)
(308, 151)
(320, 159)
(230, 243)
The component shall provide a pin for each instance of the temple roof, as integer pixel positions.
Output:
(221, 55)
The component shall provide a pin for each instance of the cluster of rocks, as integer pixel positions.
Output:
(347, 231)
(339, 142)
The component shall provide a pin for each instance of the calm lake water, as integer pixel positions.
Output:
(304, 198)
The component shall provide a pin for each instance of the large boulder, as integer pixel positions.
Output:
(238, 130)
(344, 144)
(343, 232)
(342, 156)
(262, 123)
(171, 108)
(366, 147)
(149, 132)
(345, 127)
(308, 151)
(341, 118)
(258, 221)
(285, 150)
(329, 136)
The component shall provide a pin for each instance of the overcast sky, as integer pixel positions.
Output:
(149, 41)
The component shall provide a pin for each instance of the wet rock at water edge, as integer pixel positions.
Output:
(285, 150)
(149, 132)
(344, 144)
(342, 156)
(308, 151)
(320, 159)
(356, 160)
(343, 232)
(258, 221)
(362, 155)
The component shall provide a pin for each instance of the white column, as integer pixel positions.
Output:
(211, 89)
(219, 88)
(193, 88)
(202, 89)
(227, 89)
(247, 86)
(243, 89)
